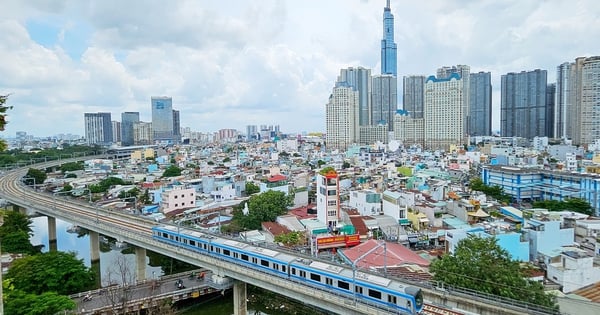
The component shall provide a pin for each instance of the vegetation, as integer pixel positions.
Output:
(346, 164)
(3, 109)
(34, 177)
(15, 234)
(105, 184)
(72, 166)
(570, 204)
(133, 192)
(480, 264)
(290, 239)
(18, 156)
(251, 188)
(172, 171)
(53, 271)
(22, 303)
(261, 208)
(495, 192)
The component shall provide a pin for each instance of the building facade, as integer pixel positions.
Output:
(359, 79)
(590, 101)
(523, 104)
(464, 72)
(142, 133)
(413, 95)
(384, 100)
(98, 128)
(328, 198)
(480, 104)
(116, 130)
(444, 112)
(127, 121)
(341, 116)
(162, 119)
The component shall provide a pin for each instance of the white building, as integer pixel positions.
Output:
(342, 117)
(367, 202)
(395, 205)
(287, 145)
(328, 198)
(573, 269)
(444, 112)
(408, 130)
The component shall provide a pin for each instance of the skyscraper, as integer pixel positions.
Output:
(480, 104)
(574, 110)
(162, 118)
(341, 116)
(550, 109)
(176, 127)
(359, 79)
(384, 100)
(523, 104)
(116, 131)
(464, 73)
(127, 121)
(98, 128)
(444, 117)
(413, 95)
(388, 47)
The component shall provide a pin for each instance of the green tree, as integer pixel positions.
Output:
(53, 271)
(172, 171)
(34, 173)
(290, 239)
(105, 184)
(570, 204)
(346, 164)
(22, 303)
(251, 188)
(145, 197)
(15, 221)
(261, 208)
(72, 166)
(18, 243)
(3, 109)
(133, 192)
(482, 265)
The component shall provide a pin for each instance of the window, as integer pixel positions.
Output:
(315, 277)
(358, 289)
(331, 192)
(264, 262)
(331, 202)
(328, 281)
(343, 285)
(392, 299)
(245, 257)
(226, 252)
(375, 294)
(192, 242)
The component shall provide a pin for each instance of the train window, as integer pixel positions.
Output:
(275, 266)
(264, 262)
(392, 299)
(176, 238)
(328, 281)
(245, 257)
(315, 277)
(193, 243)
(343, 285)
(165, 235)
(236, 255)
(302, 273)
(293, 271)
(204, 246)
(283, 268)
(375, 294)
(358, 289)
(254, 260)
(211, 248)
(226, 252)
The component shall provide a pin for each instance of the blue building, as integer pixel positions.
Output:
(164, 119)
(388, 47)
(480, 104)
(509, 241)
(523, 104)
(127, 121)
(547, 235)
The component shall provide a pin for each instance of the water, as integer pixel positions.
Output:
(70, 242)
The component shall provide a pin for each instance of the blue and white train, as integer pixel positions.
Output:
(385, 293)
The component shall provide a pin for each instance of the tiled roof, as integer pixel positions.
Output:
(394, 255)
(274, 228)
(276, 178)
(591, 292)
(359, 225)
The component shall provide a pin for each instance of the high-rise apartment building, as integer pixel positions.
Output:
(162, 119)
(444, 112)
(480, 104)
(251, 132)
(176, 126)
(574, 113)
(413, 95)
(388, 47)
(523, 104)
(550, 109)
(127, 121)
(341, 116)
(98, 128)
(384, 100)
(359, 79)
(464, 72)
(142, 133)
(116, 130)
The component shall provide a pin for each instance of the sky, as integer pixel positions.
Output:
(232, 63)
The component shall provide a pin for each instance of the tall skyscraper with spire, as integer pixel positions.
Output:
(388, 47)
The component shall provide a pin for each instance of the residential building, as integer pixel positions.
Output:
(367, 202)
(328, 198)
(590, 102)
(116, 131)
(176, 127)
(162, 119)
(341, 115)
(480, 104)
(252, 133)
(444, 112)
(464, 73)
(545, 235)
(176, 198)
(359, 79)
(394, 204)
(413, 95)
(127, 121)
(573, 269)
(371, 134)
(388, 46)
(523, 104)
(98, 128)
(507, 240)
(142, 133)
(409, 130)
(384, 100)
(550, 109)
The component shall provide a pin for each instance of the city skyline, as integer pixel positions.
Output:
(257, 62)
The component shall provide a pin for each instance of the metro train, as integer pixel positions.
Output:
(384, 293)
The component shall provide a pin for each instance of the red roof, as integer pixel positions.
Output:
(274, 228)
(276, 178)
(395, 255)
(302, 213)
(359, 225)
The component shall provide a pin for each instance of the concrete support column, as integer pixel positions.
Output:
(240, 306)
(94, 246)
(140, 263)
(52, 241)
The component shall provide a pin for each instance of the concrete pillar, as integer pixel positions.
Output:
(240, 306)
(140, 263)
(95, 255)
(52, 241)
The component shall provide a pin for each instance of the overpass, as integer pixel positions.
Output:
(136, 230)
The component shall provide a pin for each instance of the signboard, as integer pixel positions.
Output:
(338, 241)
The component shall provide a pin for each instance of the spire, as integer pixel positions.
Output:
(388, 47)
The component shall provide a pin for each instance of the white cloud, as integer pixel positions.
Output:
(232, 63)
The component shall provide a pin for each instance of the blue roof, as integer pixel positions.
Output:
(432, 78)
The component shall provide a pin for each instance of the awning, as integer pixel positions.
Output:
(404, 222)
(423, 220)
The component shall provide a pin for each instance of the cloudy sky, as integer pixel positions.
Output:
(231, 63)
